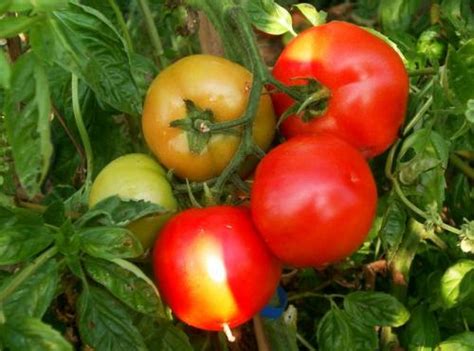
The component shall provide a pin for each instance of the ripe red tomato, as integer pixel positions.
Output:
(367, 80)
(313, 200)
(212, 268)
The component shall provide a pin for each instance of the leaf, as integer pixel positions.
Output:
(460, 342)
(27, 113)
(167, 337)
(422, 162)
(281, 336)
(460, 14)
(12, 26)
(460, 72)
(33, 297)
(37, 5)
(334, 332)
(115, 211)
(109, 242)
(376, 309)
(33, 335)
(451, 283)
(269, 17)
(396, 15)
(20, 242)
(84, 42)
(104, 324)
(5, 71)
(422, 331)
(131, 289)
(393, 226)
(4, 6)
(314, 16)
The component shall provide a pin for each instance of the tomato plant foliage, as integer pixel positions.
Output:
(73, 81)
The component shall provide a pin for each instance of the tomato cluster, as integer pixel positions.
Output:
(313, 198)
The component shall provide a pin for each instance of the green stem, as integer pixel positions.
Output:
(25, 273)
(158, 52)
(82, 129)
(122, 24)
(304, 342)
(461, 165)
(405, 200)
(214, 127)
(422, 72)
(313, 294)
(419, 115)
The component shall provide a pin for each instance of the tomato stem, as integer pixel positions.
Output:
(158, 51)
(122, 24)
(27, 271)
(461, 165)
(82, 130)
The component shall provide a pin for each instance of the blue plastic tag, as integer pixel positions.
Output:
(274, 311)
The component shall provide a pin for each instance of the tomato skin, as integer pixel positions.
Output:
(313, 200)
(212, 267)
(211, 83)
(367, 79)
(136, 177)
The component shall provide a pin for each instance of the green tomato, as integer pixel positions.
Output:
(137, 177)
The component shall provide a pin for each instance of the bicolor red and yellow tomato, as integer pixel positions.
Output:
(212, 268)
(313, 200)
(367, 80)
(211, 83)
(137, 177)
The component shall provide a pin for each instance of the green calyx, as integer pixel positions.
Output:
(199, 125)
(311, 100)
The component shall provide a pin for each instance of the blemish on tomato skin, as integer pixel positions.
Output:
(247, 86)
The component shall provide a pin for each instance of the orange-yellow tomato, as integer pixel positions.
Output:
(137, 177)
(211, 83)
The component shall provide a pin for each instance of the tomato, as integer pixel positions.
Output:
(136, 177)
(313, 200)
(212, 268)
(210, 83)
(366, 78)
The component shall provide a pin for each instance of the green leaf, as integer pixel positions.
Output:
(82, 41)
(396, 15)
(460, 72)
(104, 324)
(4, 6)
(393, 226)
(109, 242)
(131, 289)
(20, 242)
(5, 71)
(334, 332)
(376, 309)
(27, 114)
(461, 16)
(281, 335)
(115, 211)
(33, 335)
(314, 16)
(33, 297)
(460, 342)
(269, 17)
(422, 331)
(12, 26)
(167, 337)
(470, 111)
(452, 280)
(37, 5)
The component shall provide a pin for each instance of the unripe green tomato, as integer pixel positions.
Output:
(137, 177)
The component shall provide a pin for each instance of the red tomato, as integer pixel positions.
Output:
(212, 268)
(313, 200)
(367, 80)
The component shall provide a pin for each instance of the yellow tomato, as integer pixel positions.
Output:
(210, 83)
